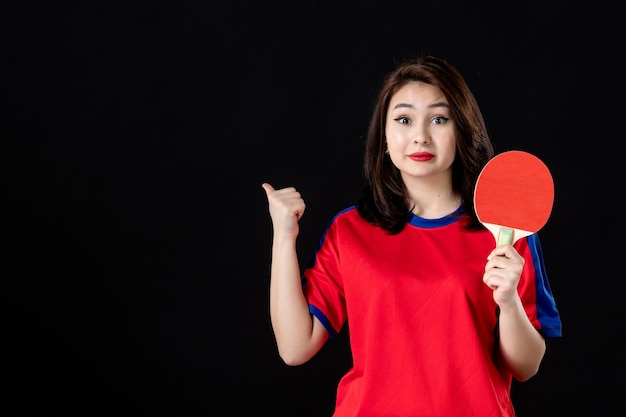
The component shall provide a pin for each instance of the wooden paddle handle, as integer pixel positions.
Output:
(505, 237)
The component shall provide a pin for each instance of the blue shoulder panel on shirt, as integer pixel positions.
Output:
(547, 312)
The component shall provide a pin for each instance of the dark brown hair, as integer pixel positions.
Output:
(384, 201)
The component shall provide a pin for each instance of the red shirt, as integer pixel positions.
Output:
(422, 323)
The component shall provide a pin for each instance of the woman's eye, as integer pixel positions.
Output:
(439, 120)
(403, 120)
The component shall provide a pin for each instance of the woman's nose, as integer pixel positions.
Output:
(421, 138)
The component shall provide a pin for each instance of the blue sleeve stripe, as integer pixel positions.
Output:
(323, 319)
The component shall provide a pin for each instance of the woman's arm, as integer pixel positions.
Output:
(521, 347)
(298, 334)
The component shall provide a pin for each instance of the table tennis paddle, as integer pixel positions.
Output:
(513, 196)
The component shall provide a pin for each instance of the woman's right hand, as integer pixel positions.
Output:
(286, 208)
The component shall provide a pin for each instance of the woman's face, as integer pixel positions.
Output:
(420, 132)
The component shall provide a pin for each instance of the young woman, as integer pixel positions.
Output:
(440, 318)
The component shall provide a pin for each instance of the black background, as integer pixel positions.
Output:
(137, 237)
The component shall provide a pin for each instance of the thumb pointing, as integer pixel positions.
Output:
(268, 188)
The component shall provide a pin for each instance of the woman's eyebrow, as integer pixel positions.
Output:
(430, 106)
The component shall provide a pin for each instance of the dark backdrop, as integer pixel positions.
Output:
(137, 239)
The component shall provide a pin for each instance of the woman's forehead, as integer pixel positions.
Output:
(415, 95)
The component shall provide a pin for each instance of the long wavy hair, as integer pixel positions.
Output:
(384, 201)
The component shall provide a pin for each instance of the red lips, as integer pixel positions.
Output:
(421, 156)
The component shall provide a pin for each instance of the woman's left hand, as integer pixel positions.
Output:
(502, 273)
